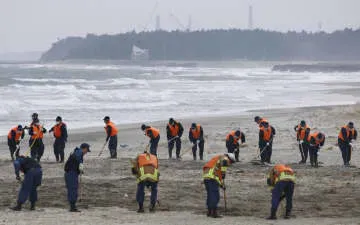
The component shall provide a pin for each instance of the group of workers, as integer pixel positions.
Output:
(145, 167)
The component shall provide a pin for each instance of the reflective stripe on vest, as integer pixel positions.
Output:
(145, 162)
(212, 171)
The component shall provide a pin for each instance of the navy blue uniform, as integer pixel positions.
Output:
(37, 148)
(72, 175)
(60, 140)
(344, 142)
(33, 176)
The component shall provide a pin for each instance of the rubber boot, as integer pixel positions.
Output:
(272, 215)
(32, 206)
(178, 157)
(287, 214)
(141, 208)
(73, 207)
(215, 214)
(152, 208)
(17, 207)
(208, 214)
(194, 156)
(170, 154)
(201, 156)
(236, 156)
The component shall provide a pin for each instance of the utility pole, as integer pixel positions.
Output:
(250, 19)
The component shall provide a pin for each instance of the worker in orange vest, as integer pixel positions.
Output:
(111, 136)
(196, 136)
(146, 169)
(347, 134)
(174, 132)
(316, 141)
(232, 142)
(260, 121)
(302, 132)
(60, 134)
(14, 136)
(36, 132)
(154, 135)
(281, 179)
(266, 136)
(214, 173)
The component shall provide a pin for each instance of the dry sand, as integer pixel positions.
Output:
(327, 195)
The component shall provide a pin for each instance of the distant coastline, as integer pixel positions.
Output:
(318, 67)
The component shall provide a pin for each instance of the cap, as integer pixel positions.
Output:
(19, 127)
(106, 118)
(302, 122)
(85, 145)
(256, 118)
(237, 133)
(351, 124)
(58, 118)
(171, 120)
(143, 126)
(193, 125)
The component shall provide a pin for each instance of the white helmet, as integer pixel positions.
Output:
(231, 156)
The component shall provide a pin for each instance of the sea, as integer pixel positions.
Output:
(82, 93)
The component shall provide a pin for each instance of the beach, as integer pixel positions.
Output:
(327, 195)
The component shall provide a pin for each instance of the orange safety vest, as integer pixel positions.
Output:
(155, 132)
(213, 170)
(267, 133)
(301, 132)
(196, 132)
(262, 120)
(317, 140)
(232, 133)
(114, 130)
(174, 130)
(18, 133)
(147, 160)
(57, 130)
(37, 132)
(281, 172)
(348, 130)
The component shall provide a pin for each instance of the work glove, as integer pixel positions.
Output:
(134, 171)
(318, 153)
(223, 187)
(301, 141)
(18, 178)
(267, 143)
(350, 144)
(198, 142)
(81, 168)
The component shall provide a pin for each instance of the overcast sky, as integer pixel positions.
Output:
(27, 25)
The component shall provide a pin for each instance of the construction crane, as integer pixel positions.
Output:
(181, 25)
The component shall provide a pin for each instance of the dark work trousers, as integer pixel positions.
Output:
(113, 146)
(313, 152)
(213, 195)
(12, 148)
(201, 149)
(304, 150)
(154, 145)
(140, 194)
(345, 152)
(178, 147)
(72, 186)
(281, 188)
(59, 147)
(29, 185)
(233, 148)
(266, 152)
(37, 149)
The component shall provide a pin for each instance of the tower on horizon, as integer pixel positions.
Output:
(157, 26)
(189, 24)
(250, 19)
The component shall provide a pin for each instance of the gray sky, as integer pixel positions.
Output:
(27, 25)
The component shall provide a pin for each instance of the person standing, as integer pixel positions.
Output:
(14, 136)
(154, 135)
(347, 134)
(266, 136)
(281, 179)
(174, 132)
(146, 169)
(302, 133)
(214, 173)
(32, 179)
(196, 136)
(316, 141)
(73, 168)
(60, 134)
(36, 131)
(260, 121)
(232, 142)
(111, 132)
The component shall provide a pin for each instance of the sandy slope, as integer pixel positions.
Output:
(328, 195)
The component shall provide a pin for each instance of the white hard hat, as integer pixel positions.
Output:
(231, 156)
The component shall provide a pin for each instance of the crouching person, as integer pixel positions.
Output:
(281, 179)
(145, 168)
(32, 179)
